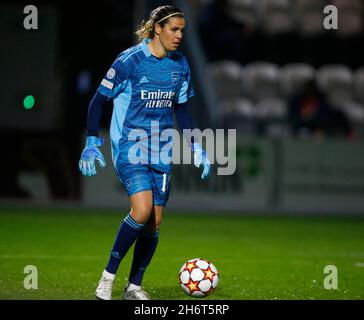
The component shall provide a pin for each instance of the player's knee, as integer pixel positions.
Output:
(141, 213)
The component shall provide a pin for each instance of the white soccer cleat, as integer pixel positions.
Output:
(136, 294)
(104, 289)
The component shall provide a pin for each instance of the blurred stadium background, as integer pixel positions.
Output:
(293, 90)
(251, 62)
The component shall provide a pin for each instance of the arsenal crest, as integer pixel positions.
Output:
(174, 76)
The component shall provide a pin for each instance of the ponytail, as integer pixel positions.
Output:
(159, 16)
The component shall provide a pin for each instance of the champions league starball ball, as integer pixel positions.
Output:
(198, 277)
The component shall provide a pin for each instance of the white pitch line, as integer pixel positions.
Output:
(48, 257)
(359, 264)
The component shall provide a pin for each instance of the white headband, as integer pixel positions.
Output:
(171, 15)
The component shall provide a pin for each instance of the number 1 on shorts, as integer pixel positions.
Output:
(164, 182)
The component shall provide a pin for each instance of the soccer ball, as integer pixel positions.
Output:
(198, 277)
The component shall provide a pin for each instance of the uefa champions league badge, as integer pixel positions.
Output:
(111, 73)
(174, 76)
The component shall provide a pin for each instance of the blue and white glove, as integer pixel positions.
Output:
(201, 160)
(89, 154)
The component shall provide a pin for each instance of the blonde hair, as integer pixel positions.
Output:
(159, 16)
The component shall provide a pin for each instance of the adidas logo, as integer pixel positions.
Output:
(144, 80)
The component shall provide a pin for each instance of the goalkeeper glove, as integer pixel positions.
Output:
(89, 154)
(201, 160)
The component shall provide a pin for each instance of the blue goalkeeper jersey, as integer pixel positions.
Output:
(144, 89)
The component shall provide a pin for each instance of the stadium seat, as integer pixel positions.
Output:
(353, 110)
(310, 4)
(238, 107)
(277, 16)
(348, 4)
(350, 17)
(294, 76)
(238, 113)
(244, 108)
(244, 11)
(359, 84)
(310, 23)
(309, 17)
(260, 80)
(271, 109)
(350, 23)
(337, 82)
(226, 76)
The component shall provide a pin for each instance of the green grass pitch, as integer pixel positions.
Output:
(258, 257)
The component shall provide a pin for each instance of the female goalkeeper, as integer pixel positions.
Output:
(148, 83)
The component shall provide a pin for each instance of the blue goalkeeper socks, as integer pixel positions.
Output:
(143, 253)
(128, 232)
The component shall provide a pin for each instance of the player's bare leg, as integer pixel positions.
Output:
(141, 206)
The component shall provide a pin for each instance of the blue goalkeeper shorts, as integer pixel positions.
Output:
(141, 177)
